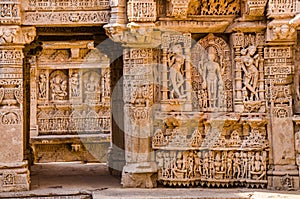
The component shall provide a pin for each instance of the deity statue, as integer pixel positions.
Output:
(42, 86)
(249, 66)
(212, 77)
(176, 63)
(74, 81)
(58, 86)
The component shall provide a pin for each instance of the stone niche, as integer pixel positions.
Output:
(70, 99)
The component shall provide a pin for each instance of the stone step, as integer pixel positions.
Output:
(192, 193)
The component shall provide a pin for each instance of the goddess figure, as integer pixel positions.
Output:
(249, 66)
(176, 63)
(212, 77)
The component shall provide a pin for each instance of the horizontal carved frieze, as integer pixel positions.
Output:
(59, 18)
(10, 12)
(66, 5)
(11, 57)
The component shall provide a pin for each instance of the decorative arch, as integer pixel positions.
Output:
(212, 79)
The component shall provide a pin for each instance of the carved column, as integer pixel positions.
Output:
(13, 168)
(139, 40)
(279, 71)
(138, 123)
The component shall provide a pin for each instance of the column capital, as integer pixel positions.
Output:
(16, 35)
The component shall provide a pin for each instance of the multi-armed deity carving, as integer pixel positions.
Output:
(212, 86)
(249, 72)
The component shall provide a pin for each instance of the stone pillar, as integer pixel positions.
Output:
(279, 71)
(139, 39)
(13, 168)
(138, 124)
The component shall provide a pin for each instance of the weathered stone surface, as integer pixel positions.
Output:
(207, 91)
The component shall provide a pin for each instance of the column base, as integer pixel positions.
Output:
(140, 175)
(116, 161)
(14, 177)
(284, 178)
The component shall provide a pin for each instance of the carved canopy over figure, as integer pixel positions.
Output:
(212, 72)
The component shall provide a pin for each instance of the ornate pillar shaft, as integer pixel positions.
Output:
(279, 72)
(13, 168)
(138, 123)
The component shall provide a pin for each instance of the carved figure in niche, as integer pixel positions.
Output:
(218, 166)
(106, 84)
(236, 165)
(74, 81)
(202, 96)
(42, 86)
(206, 165)
(198, 163)
(211, 164)
(213, 79)
(190, 164)
(250, 77)
(229, 164)
(92, 86)
(257, 167)
(173, 165)
(58, 87)
(196, 138)
(244, 164)
(176, 64)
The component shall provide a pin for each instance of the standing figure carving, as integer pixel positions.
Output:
(212, 76)
(176, 64)
(250, 77)
(42, 86)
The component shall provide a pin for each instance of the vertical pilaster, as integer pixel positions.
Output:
(138, 124)
(13, 168)
(279, 72)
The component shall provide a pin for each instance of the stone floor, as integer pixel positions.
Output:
(86, 181)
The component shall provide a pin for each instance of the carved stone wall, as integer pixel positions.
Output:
(71, 92)
(208, 88)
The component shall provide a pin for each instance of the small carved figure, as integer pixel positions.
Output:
(229, 165)
(58, 87)
(236, 165)
(249, 66)
(176, 61)
(74, 81)
(206, 165)
(42, 86)
(198, 163)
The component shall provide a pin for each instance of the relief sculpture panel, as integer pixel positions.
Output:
(211, 75)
